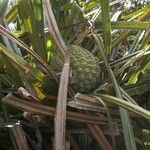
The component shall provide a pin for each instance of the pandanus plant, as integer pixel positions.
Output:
(86, 62)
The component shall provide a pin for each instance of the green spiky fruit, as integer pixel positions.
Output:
(85, 68)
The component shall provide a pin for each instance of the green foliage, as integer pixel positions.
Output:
(115, 34)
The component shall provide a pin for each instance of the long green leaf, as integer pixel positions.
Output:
(127, 105)
(133, 60)
(29, 25)
(138, 12)
(126, 122)
(106, 26)
(128, 132)
(134, 25)
(3, 7)
(12, 14)
(9, 35)
(19, 61)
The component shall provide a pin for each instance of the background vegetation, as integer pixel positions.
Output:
(36, 112)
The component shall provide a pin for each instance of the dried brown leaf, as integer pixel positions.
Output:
(87, 102)
(19, 136)
(40, 109)
(60, 115)
(99, 136)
